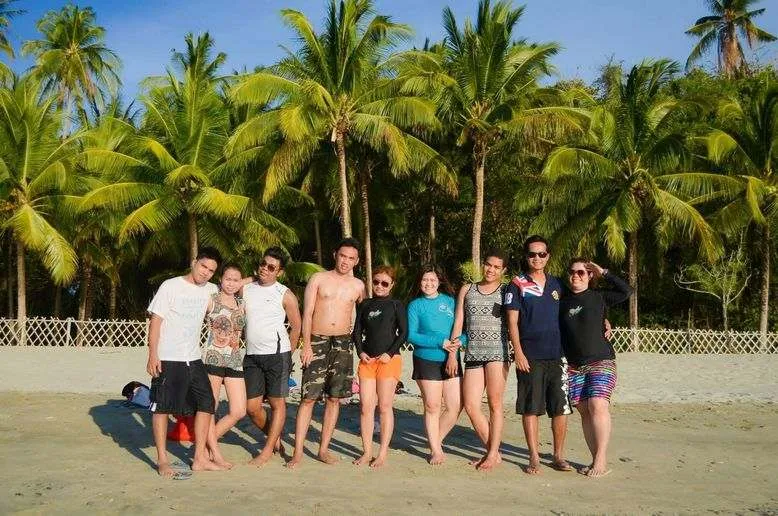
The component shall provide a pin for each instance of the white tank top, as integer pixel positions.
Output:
(265, 316)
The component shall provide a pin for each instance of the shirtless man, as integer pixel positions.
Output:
(328, 308)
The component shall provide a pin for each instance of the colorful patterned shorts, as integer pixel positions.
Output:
(594, 380)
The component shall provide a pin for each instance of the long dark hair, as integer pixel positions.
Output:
(443, 288)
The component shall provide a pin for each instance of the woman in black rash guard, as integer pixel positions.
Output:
(380, 329)
(590, 356)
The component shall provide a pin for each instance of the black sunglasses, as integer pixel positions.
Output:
(269, 266)
(533, 254)
(578, 272)
(384, 284)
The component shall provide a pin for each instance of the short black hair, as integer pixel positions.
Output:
(347, 242)
(209, 253)
(496, 253)
(535, 239)
(278, 254)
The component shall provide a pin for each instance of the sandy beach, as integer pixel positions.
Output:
(692, 434)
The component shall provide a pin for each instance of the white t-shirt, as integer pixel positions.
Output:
(182, 306)
(265, 316)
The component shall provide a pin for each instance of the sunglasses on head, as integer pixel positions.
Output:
(581, 273)
(384, 284)
(271, 267)
(533, 254)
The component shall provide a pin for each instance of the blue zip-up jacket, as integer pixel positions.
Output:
(429, 324)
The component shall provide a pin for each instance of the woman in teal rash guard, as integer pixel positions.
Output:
(436, 371)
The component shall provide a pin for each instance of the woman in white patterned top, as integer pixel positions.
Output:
(223, 355)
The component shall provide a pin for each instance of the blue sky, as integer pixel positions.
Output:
(143, 32)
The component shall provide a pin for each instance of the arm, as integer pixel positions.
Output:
(459, 314)
(522, 364)
(154, 365)
(309, 301)
(292, 309)
(416, 337)
(356, 335)
(611, 296)
(402, 329)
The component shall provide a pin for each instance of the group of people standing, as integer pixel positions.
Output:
(557, 336)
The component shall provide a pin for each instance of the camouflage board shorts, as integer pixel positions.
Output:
(331, 368)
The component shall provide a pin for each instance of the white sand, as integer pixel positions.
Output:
(643, 377)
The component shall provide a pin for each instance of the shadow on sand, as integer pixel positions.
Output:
(130, 429)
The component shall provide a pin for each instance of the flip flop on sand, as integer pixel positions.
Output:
(561, 465)
(180, 474)
(603, 474)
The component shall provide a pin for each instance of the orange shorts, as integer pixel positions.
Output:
(380, 371)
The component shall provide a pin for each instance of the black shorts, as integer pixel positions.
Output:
(432, 370)
(181, 389)
(223, 372)
(267, 375)
(478, 364)
(544, 389)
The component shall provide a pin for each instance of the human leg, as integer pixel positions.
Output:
(159, 429)
(473, 386)
(304, 414)
(386, 390)
(331, 412)
(431, 394)
(312, 387)
(495, 388)
(599, 408)
(452, 397)
(274, 429)
(211, 441)
(201, 395)
(236, 396)
(368, 400)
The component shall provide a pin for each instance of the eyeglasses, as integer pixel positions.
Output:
(384, 284)
(271, 267)
(581, 273)
(533, 254)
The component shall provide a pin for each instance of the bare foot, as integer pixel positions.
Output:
(328, 458)
(379, 461)
(561, 465)
(260, 460)
(223, 463)
(362, 459)
(479, 460)
(279, 448)
(294, 461)
(487, 463)
(206, 465)
(436, 459)
(164, 470)
(598, 471)
(533, 468)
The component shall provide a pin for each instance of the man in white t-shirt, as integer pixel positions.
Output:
(179, 384)
(268, 360)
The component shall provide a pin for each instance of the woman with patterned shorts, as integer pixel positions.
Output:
(590, 356)
(223, 356)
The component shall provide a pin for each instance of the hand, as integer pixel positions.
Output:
(154, 366)
(365, 359)
(452, 365)
(384, 358)
(522, 364)
(608, 330)
(306, 355)
(451, 346)
(595, 269)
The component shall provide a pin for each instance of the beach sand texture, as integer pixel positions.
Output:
(692, 434)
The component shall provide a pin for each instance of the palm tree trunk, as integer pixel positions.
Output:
(21, 294)
(363, 197)
(10, 277)
(479, 162)
(86, 285)
(765, 287)
(431, 254)
(112, 301)
(317, 234)
(731, 58)
(57, 301)
(90, 298)
(633, 282)
(345, 210)
(192, 237)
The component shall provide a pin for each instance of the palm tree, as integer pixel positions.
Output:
(6, 15)
(721, 27)
(482, 80)
(73, 59)
(35, 170)
(331, 90)
(744, 148)
(619, 181)
(167, 171)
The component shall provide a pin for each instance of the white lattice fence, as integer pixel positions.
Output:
(100, 333)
